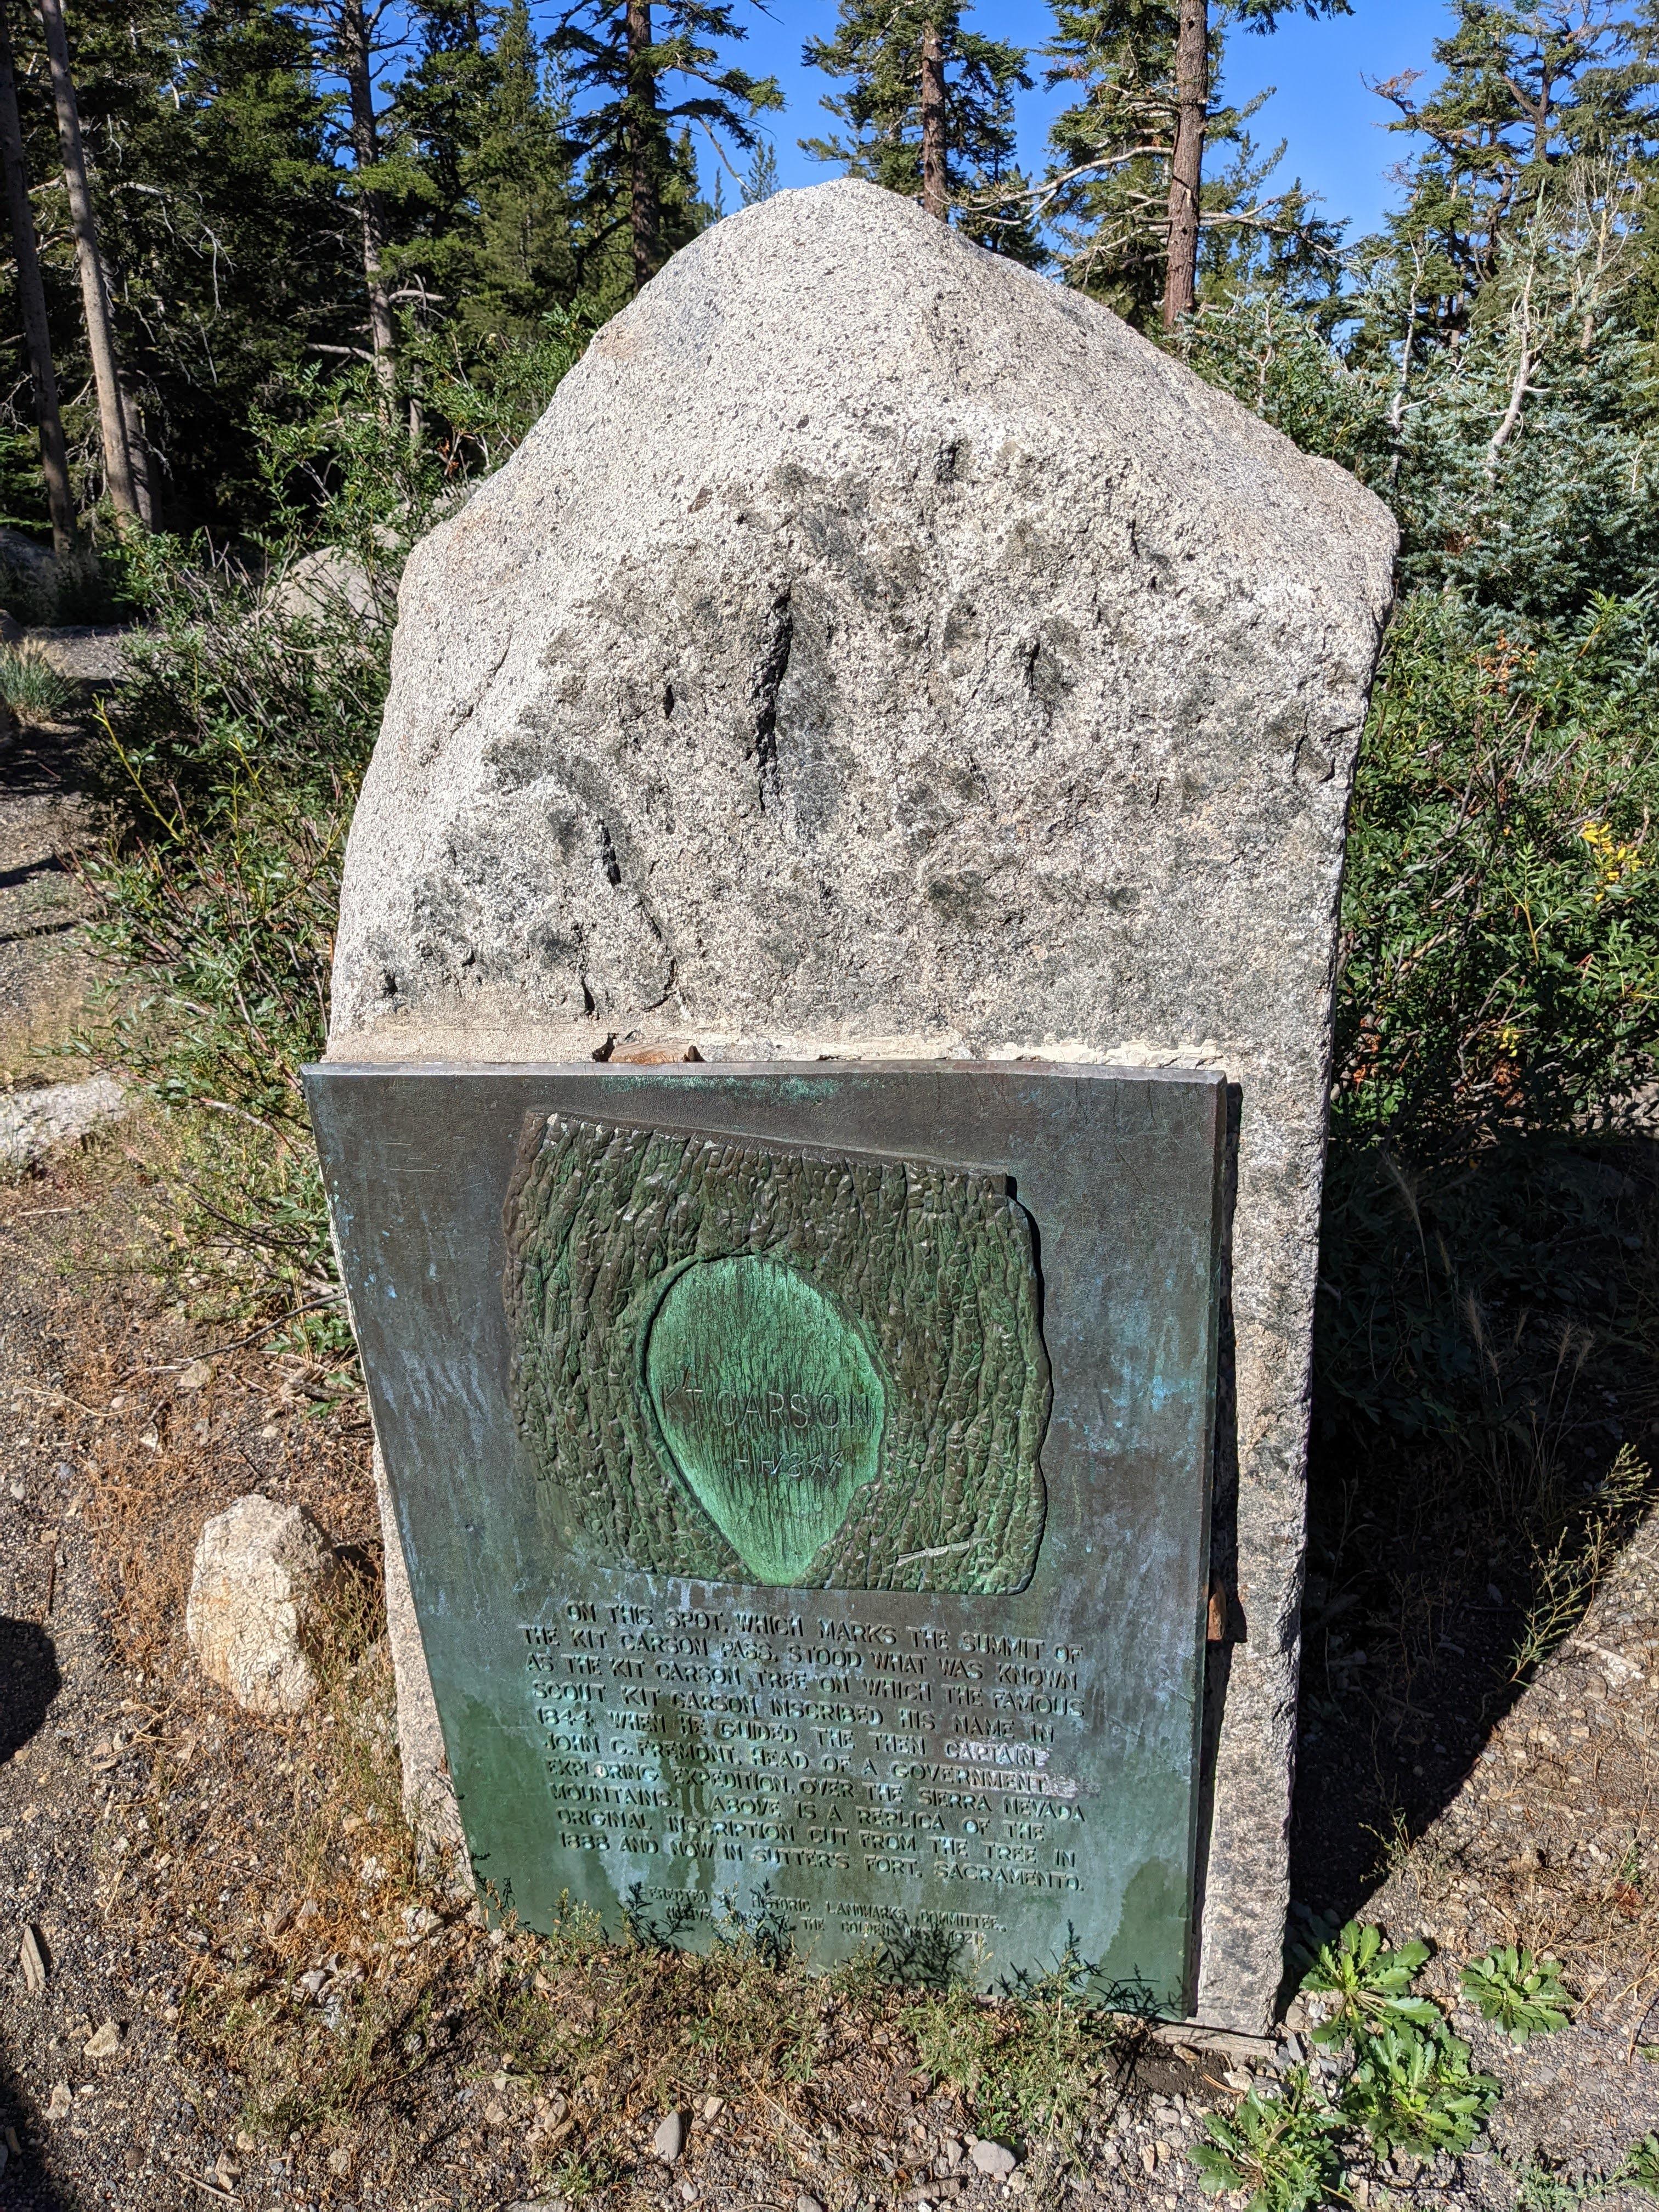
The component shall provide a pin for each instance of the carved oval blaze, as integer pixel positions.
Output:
(770, 1403)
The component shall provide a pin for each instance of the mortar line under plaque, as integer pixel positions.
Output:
(803, 1476)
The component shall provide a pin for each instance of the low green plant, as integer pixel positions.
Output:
(1024, 2066)
(1522, 1994)
(1417, 2093)
(1538, 2188)
(1372, 1987)
(1409, 2085)
(1279, 2146)
(32, 688)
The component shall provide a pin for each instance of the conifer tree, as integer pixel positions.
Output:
(228, 237)
(32, 303)
(1525, 98)
(1147, 70)
(1124, 216)
(929, 112)
(623, 60)
(524, 260)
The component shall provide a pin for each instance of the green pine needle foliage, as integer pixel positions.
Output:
(1522, 1994)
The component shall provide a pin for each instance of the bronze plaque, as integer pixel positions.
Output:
(803, 1476)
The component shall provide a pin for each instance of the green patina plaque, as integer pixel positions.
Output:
(757, 1365)
(803, 1477)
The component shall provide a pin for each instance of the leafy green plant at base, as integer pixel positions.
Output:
(1417, 2093)
(1639, 2167)
(1371, 1986)
(31, 686)
(1281, 2147)
(1522, 1994)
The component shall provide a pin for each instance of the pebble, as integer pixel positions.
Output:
(805, 2203)
(994, 2159)
(58, 2104)
(669, 2141)
(713, 2107)
(105, 2043)
(1149, 2158)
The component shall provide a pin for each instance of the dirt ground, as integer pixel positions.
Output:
(225, 1976)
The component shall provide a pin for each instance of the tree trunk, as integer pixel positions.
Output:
(31, 300)
(94, 287)
(1187, 165)
(934, 193)
(356, 67)
(642, 144)
(138, 458)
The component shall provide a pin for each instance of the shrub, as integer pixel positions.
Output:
(233, 761)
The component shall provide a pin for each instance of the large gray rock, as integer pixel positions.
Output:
(879, 650)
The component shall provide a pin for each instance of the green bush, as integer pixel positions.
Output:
(232, 761)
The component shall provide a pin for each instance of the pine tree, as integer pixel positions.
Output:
(1524, 100)
(761, 180)
(621, 58)
(524, 262)
(1113, 189)
(929, 112)
(229, 240)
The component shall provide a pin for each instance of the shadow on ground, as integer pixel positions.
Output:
(29, 1681)
(43, 761)
(1487, 1345)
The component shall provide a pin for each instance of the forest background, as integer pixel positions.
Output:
(344, 250)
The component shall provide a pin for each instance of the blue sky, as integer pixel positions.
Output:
(1333, 125)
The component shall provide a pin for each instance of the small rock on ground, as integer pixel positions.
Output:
(262, 1575)
(669, 2141)
(994, 2158)
(32, 1121)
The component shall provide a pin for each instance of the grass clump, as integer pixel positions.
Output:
(34, 690)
